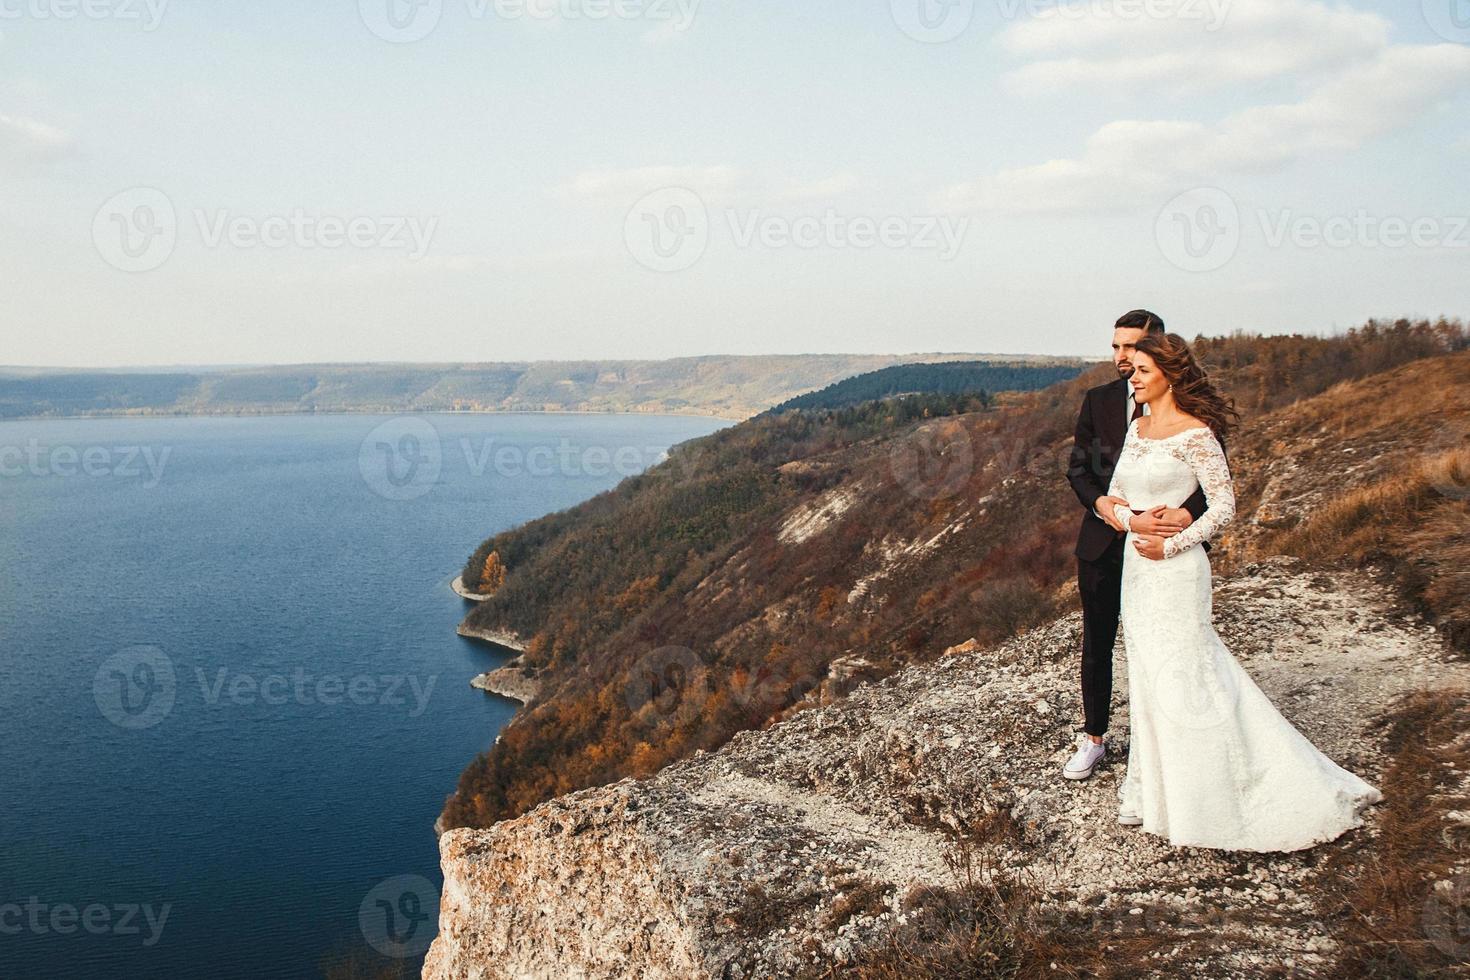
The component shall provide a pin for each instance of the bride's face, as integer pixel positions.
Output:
(1149, 383)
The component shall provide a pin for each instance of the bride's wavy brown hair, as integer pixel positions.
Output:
(1193, 391)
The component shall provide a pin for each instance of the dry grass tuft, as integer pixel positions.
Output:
(1414, 524)
(1392, 922)
(990, 924)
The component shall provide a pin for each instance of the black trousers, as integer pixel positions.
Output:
(1101, 585)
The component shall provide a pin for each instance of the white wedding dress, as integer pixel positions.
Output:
(1211, 762)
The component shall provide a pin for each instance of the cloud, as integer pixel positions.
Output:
(625, 185)
(823, 189)
(1192, 45)
(26, 145)
(715, 183)
(1124, 162)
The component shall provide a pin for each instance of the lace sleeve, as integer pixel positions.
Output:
(1206, 458)
(1123, 514)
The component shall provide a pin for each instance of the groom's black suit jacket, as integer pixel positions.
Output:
(1101, 428)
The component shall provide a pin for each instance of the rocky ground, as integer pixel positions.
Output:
(804, 844)
(508, 680)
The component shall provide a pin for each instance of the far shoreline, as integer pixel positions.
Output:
(352, 412)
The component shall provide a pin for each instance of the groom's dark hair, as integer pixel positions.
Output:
(1141, 320)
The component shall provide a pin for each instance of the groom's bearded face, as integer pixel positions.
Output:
(1124, 341)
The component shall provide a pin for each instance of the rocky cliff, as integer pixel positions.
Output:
(818, 843)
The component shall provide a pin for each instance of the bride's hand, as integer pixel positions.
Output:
(1158, 522)
(1150, 546)
(1178, 515)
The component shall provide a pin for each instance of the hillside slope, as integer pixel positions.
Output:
(827, 845)
(764, 568)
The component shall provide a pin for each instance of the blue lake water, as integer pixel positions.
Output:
(231, 696)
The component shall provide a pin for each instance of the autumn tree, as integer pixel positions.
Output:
(492, 576)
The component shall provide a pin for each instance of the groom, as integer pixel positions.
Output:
(1107, 411)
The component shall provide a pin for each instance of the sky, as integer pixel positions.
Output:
(481, 180)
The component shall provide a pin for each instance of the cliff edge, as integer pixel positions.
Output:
(812, 844)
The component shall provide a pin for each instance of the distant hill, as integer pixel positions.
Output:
(726, 386)
(954, 378)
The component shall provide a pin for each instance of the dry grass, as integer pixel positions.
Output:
(990, 924)
(1378, 896)
(859, 897)
(760, 912)
(1413, 524)
(1006, 607)
(1392, 923)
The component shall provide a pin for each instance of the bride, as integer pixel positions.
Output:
(1211, 762)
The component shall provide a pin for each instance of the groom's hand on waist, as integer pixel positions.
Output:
(1161, 522)
(1103, 508)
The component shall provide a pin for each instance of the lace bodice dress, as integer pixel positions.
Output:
(1211, 762)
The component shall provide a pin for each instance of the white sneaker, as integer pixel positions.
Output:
(1089, 754)
(1130, 819)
